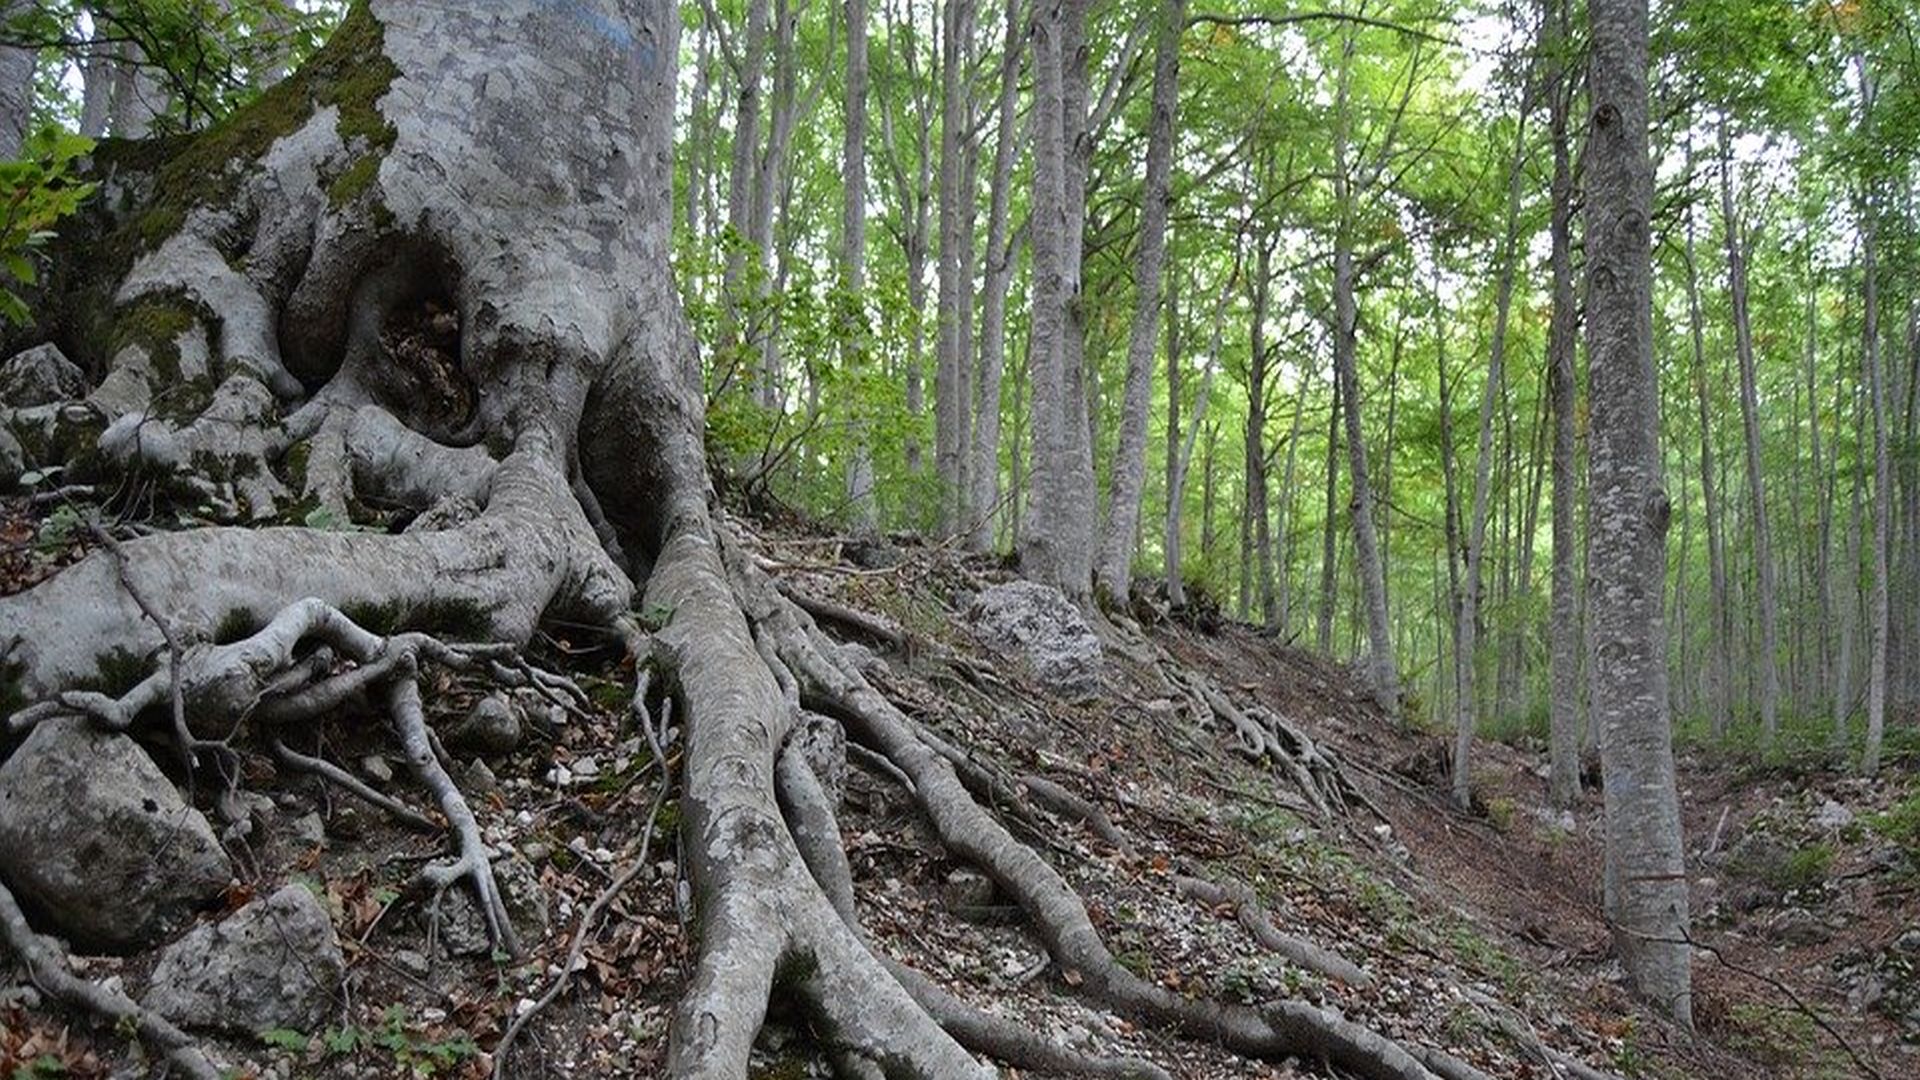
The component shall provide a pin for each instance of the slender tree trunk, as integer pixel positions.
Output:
(1255, 537)
(950, 381)
(1566, 693)
(1646, 871)
(749, 71)
(1283, 526)
(1329, 549)
(1882, 465)
(1764, 583)
(1000, 257)
(1180, 459)
(1382, 673)
(1130, 458)
(1720, 626)
(1469, 602)
(769, 188)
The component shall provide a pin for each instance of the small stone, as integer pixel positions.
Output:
(967, 892)
(1832, 815)
(479, 779)
(536, 852)
(377, 769)
(586, 768)
(275, 963)
(464, 929)
(491, 728)
(308, 831)
(411, 962)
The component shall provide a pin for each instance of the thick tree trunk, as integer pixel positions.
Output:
(863, 508)
(16, 88)
(1646, 872)
(1056, 541)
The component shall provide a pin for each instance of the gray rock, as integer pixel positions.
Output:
(41, 375)
(95, 838)
(308, 831)
(1798, 926)
(1832, 815)
(967, 893)
(492, 728)
(377, 769)
(463, 930)
(275, 963)
(1041, 626)
(477, 779)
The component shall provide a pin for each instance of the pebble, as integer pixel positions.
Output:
(376, 768)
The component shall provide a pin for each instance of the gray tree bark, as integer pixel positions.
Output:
(951, 382)
(1056, 542)
(1737, 246)
(1117, 544)
(1720, 613)
(1878, 604)
(854, 343)
(1000, 257)
(16, 89)
(1646, 872)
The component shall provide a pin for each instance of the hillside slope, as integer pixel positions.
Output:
(1349, 882)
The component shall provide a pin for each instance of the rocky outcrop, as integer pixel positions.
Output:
(98, 842)
(1043, 629)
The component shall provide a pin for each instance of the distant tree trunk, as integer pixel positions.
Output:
(1329, 548)
(1283, 521)
(1130, 458)
(697, 151)
(1056, 541)
(770, 192)
(854, 343)
(1849, 607)
(912, 198)
(951, 424)
(749, 69)
(96, 95)
(1382, 673)
(16, 88)
(1720, 613)
(1563, 753)
(1823, 673)
(1764, 584)
(1646, 871)
(1254, 527)
(1882, 464)
(1469, 602)
(1170, 520)
(1180, 457)
(984, 471)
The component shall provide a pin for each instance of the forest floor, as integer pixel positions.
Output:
(1481, 933)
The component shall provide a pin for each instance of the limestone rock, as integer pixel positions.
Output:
(463, 929)
(98, 842)
(274, 963)
(41, 375)
(1042, 627)
(491, 728)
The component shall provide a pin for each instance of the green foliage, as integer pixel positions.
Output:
(37, 191)
(413, 1049)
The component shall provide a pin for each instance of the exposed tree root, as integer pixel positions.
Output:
(47, 966)
(1252, 915)
(1056, 912)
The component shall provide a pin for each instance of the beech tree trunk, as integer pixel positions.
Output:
(984, 472)
(1646, 871)
(1720, 613)
(1764, 574)
(952, 384)
(1878, 603)
(863, 508)
(16, 88)
(1117, 544)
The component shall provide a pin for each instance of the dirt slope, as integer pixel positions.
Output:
(1478, 936)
